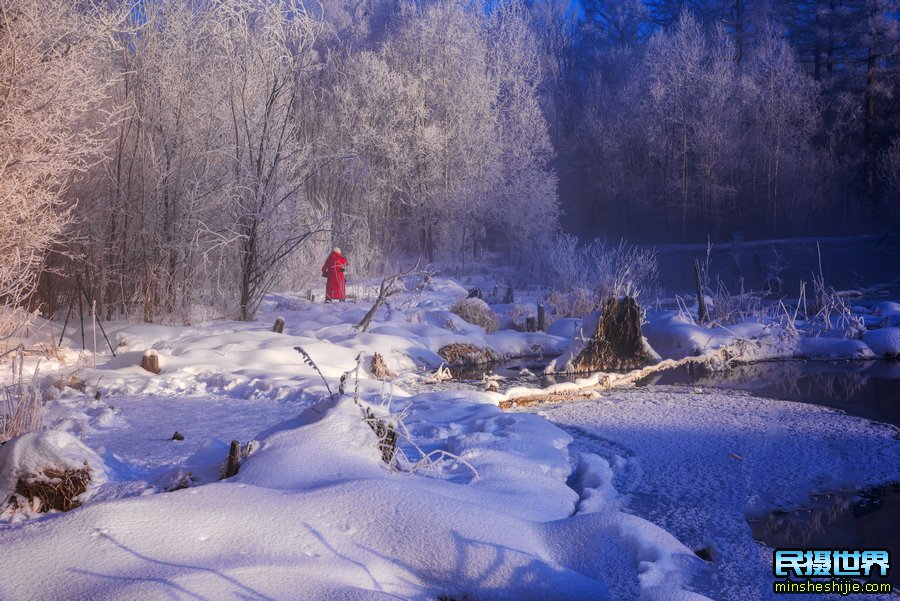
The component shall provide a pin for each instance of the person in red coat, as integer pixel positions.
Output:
(333, 269)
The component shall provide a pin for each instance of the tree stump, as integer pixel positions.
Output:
(234, 459)
(278, 328)
(150, 361)
(541, 318)
(618, 342)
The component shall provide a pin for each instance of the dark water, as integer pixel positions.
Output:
(866, 519)
(856, 263)
(869, 389)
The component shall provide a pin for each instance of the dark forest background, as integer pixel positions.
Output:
(678, 120)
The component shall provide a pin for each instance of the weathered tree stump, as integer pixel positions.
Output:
(618, 342)
(541, 318)
(150, 361)
(234, 459)
(508, 297)
(278, 328)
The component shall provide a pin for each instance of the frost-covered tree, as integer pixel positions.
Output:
(691, 113)
(783, 116)
(270, 57)
(443, 49)
(204, 200)
(151, 210)
(52, 126)
(444, 128)
(522, 209)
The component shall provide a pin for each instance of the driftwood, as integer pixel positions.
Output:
(550, 397)
(617, 343)
(608, 381)
(387, 289)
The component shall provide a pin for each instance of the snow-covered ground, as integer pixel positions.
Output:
(606, 498)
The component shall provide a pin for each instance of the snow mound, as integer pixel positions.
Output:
(476, 311)
(884, 342)
(35, 452)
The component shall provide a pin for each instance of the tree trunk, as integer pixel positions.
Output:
(618, 342)
(702, 312)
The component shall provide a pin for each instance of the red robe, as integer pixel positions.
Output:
(333, 269)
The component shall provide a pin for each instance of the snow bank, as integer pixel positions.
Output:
(674, 336)
(884, 342)
(316, 514)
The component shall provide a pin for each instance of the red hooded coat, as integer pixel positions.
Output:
(333, 269)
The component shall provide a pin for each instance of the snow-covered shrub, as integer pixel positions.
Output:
(577, 302)
(726, 308)
(463, 353)
(477, 312)
(517, 317)
(379, 367)
(54, 489)
(604, 270)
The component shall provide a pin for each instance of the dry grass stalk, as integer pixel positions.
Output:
(379, 367)
(23, 409)
(477, 312)
(54, 488)
(464, 353)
